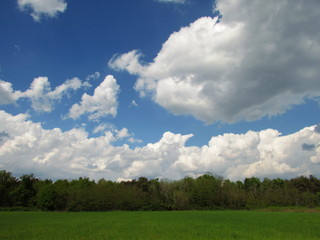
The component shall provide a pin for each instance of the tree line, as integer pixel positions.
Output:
(205, 192)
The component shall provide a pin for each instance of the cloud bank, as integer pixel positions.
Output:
(25, 147)
(258, 60)
(43, 8)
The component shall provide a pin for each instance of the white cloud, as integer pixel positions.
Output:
(134, 140)
(40, 93)
(74, 84)
(43, 8)
(100, 128)
(7, 95)
(103, 102)
(129, 62)
(316, 158)
(118, 134)
(258, 60)
(123, 133)
(93, 76)
(43, 97)
(28, 148)
(134, 103)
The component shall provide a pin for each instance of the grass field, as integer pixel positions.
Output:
(159, 225)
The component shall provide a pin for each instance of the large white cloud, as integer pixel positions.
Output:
(39, 93)
(259, 59)
(26, 147)
(43, 8)
(103, 102)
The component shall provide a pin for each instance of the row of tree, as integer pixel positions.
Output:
(204, 192)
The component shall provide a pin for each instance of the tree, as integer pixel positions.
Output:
(314, 184)
(25, 192)
(252, 187)
(204, 192)
(46, 197)
(103, 195)
(183, 193)
(7, 185)
(317, 197)
(61, 188)
(79, 198)
(155, 201)
(207, 192)
(233, 195)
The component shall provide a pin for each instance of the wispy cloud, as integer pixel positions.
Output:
(134, 140)
(101, 127)
(89, 78)
(134, 103)
(93, 76)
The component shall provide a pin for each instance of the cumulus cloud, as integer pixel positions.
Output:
(129, 62)
(7, 95)
(259, 59)
(118, 134)
(39, 93)
(3, 136)
(28, 148)
(123, 133)
(43, 8)
(308, 147)
(103, 102)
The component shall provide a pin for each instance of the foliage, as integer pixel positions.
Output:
(204, 192)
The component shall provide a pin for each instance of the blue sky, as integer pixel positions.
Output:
(169, 88)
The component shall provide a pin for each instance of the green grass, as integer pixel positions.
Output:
(159, 225)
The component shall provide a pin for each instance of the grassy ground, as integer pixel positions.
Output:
(291, 209)
(159, 225)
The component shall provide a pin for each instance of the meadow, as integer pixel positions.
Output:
(167, 225)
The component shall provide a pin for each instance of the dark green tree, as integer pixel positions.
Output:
(25, 192)
(207, 192)
(46, 197)
(7, 186)
(252, 188)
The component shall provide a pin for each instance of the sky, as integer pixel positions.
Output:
(120, 89)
